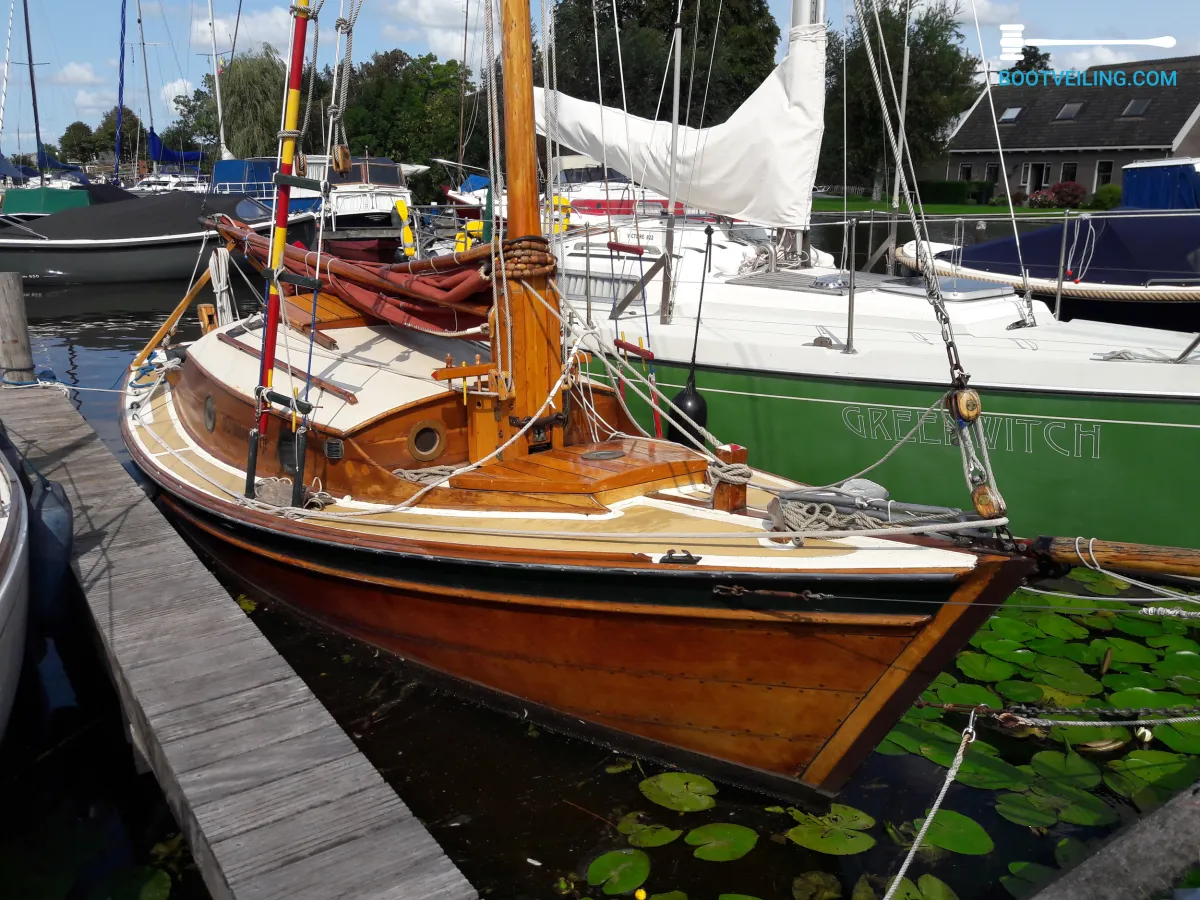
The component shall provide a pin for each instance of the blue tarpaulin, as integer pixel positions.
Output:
(1162, 187)
(475, 183)
(163, 154)
(8, 170)
(49, 162)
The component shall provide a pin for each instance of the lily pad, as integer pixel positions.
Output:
(1081, 736)
(721, 841)
(1019, 809)
(1158, 767)
(653, 836)
(889, 748)
(932, 888)
(1178, 662)
(680, 791)
(1019, 691)
(1185, 684)
(1137, 625)
(1027, 878)
(1125, 651)
(944, 679)
(621, 765)
(1058, 626)
(814, 886)
(990, 773)
(1060, 698)
(1118, 681)
(1014, 630)
(1173, 642)
(620, 871)
(1139, 697)
(840, 833)
(971, 694)
(1183, 737)
(1070, 852)
(1066, 768)
(1097, 582)
(1096, 623)
(1057, 665)
(957, 833)
(1049, 646)
(1084, 654)
(984, 668)
(1009, 651)
(1077, 682)
(1073, 805)
(926, 712)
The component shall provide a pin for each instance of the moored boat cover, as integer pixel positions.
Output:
(759, 166)
(174, 213)
(41, 201)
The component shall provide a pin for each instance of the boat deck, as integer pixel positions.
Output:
(273, 797)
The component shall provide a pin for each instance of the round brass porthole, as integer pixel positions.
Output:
(427, 440)
(210, 413)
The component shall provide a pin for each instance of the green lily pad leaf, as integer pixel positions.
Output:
(926, 712)
(1066, 768)
(1179, 739)
(932, 888)
(1014, 630)
(889, 748)
(816, 886)
(1019, 691)
(1125, 651)
(621, 765)
(905, 890)
(1185, 684)
(670, 895)
(1178, 662)
(1098, 582)
(862, 889)
(1074, 805)
(942, 732)
(957, 833)
(1056, 665)
(908, 736)
(630, 822)
(1137, 625)
(721, 841)
(1070, 852)
(841, 833)
(1077, 736)
(1084, 654)
(653, 836)
(1019, 809)
(1172, 642)
(1078, 682)
(775, 809)
(984, 668)
(1009, 651)
(680, 791)
(1138, 697)
(979, 770)
(1096, 623)
(1027, 878)
(1158, 767)
(1056, 697)
(1118, 681)
(944, 679)
(971, 694)
(1058, 626)
(1048, 646)
(620, 871)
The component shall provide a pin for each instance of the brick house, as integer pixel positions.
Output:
(1082, 133)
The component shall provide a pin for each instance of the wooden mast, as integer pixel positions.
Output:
(287, 153)
(536, 344)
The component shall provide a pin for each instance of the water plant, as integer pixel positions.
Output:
(680, 791)
(840, 833)
(645, 835)
(619, 871)
(721, 841)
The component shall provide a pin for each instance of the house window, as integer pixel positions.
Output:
(1104, 170)
(1136, 108)
(1024, 176)
(1070, 171)
(1010, 115)
(992, 173)
(964, 171)
(1068, 112)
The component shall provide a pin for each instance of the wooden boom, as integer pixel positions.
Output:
(1124, 557)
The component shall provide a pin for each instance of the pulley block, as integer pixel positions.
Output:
(966, 404)
(986, 502)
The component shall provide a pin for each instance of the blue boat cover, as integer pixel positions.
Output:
(8, 170)
(1162, 187)
(162, 154)
(49, 162)
(1110, 250)
(475, 183)
(250, 176)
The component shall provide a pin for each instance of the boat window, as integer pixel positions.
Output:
(354, 176)
(588, 174)
(249, 210)
(384, 174)
(1136, 107)
(1010, 114)
(1069, 112)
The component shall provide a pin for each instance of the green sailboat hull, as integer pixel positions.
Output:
(1118, 468)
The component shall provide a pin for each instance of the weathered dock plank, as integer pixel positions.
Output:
(274, 798)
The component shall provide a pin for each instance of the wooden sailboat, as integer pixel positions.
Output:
(558, 561)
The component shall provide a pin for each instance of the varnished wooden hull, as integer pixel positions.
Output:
(782, 696)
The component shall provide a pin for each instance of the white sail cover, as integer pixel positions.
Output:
(759, 166)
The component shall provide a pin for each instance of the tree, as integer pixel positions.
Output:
(105, 135)
(1032, 60)
(744, 55)
(941, 85)
(78, 143)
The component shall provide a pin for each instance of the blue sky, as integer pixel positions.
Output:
(76, 43)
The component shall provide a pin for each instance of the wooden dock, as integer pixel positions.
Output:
(273, 797)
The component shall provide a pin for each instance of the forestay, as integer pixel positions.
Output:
(768, 180)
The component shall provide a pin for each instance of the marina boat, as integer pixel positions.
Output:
(442, 481)
(1148, 250)
(27, 204)
(163, 182)
(14, 584)
(153, 239)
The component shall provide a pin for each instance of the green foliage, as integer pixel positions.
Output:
(1032, 60)
(77, 143)
(1020, 809)
(941, 87)
(816, 886)
(645, 835)
(721, 841)
(105, 135)
(680, 791)
(984, 668)
(943, 191)
(840, 833)
(1066, 768)
(1107, 196)
(957, 833)
(620, 871)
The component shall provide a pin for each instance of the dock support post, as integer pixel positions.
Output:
(16, 357)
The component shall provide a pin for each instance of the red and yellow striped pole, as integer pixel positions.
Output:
(283, 193)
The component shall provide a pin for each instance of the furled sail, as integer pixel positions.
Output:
(758, 166)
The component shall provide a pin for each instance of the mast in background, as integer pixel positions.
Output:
(892, 237)
(37, 125)
(7, 56)
(664, 313)
(120, 95)
(216, 69)
(146, 72)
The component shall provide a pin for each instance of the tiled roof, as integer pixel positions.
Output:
(1099, 123)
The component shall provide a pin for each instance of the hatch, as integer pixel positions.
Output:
(954, 290)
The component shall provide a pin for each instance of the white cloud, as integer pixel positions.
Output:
(990, 12)
(1091, 56)
(438, 24)
(266, 26)
(173, 89)
(91, 102)
(74, 73)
